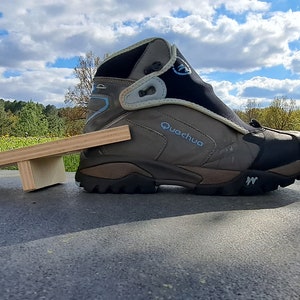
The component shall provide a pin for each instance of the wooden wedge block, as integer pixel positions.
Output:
(42, 165)
(41, 172)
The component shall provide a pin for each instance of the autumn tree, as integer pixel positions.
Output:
(84, 72)
(73, 120)
(79, 95)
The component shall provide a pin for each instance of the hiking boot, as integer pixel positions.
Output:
(182, 133)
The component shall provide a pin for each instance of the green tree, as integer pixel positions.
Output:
(296, 116)
(32, 121)
(56, 124)
(5, 122)
(280, 114)
(251, 111)
(14, 106)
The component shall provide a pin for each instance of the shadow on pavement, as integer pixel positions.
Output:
(65, 208)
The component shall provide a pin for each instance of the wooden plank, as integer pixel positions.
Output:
(41, 172)
(67, 145)
(42, 165)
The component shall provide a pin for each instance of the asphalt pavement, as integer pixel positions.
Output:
(63, 243)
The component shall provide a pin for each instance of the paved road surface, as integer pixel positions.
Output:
(63, 243)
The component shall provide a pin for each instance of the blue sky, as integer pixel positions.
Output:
(247, 49)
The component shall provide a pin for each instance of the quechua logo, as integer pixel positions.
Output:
(184, 135)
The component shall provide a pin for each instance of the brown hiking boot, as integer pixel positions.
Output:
(182, 133)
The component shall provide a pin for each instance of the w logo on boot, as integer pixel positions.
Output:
(251, 180)
(181, 67)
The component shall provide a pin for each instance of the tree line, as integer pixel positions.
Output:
(20, 118)
(282, 113)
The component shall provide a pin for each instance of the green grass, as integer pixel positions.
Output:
(71, 161)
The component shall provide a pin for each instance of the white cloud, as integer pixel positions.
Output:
(224, 90)
(257, 43)
(242, 6)
(262, 89)
(266, 87)
(41, 32)
(42, 85)
(293, 62)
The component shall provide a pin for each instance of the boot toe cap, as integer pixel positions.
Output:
(277, 148)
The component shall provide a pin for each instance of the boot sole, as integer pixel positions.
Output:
(146, 176)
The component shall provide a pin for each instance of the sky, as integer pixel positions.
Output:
(247, 49)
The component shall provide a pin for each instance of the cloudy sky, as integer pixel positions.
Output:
(247, 49)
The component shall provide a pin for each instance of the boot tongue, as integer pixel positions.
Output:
(155, 56)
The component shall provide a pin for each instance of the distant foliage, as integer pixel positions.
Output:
(23, 119)
(74, 119)
(19, 118)
(282, 114)
(31, 121)
(7, 120)
(56, 124)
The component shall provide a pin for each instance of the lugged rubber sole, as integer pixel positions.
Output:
(145, 177)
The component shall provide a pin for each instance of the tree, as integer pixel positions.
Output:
(84, 72)
(72, 117)
(32, 121)
(14, 106)
(56, 124)
(296, 115)
(5, 122)
(251, 111)
(280, 114)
